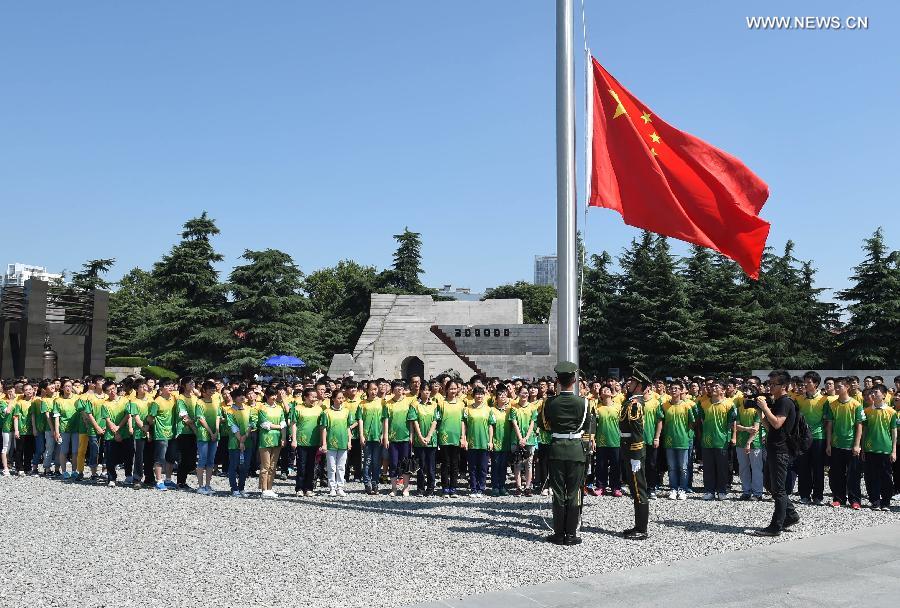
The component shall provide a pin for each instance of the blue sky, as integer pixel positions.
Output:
(323, 128)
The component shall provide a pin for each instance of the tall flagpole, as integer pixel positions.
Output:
(567, 274)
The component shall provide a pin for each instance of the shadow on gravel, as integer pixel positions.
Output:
(529, 526)
(698, 526)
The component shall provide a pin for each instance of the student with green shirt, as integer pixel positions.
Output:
(207, 413)
(502, 415)
(23, 429)
(117, 438)
(272, 426)
(240, 420)
(64, 416)
(449, 434)
(810, 465)
(398, 440)
(7, 406)
(523, 436)
(607, 472)
(335, 423)
(424, 416)
(139, 409)
(477, 440)
(879, 441)
(843, 433)
(677, 438)
(717, 416)
(160, 418)
(748, 450)
(44, 435)
(304, 420)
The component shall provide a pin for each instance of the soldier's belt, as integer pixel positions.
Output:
(566, 435)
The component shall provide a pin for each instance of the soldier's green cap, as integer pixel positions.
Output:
(640, 376)
(565, 367)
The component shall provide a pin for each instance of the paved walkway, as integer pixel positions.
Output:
(850, 569)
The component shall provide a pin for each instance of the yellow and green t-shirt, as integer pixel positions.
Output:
(653, 409)
(478, 422)
(678, 419)
(211, 412)
(66, 411)
(337, 427)
(844, 416)
(877, 427)
(425, 414)
(243, 420)
(503, 432)
(398, 414)
(352, 406)
(450, 425)
(163, 412)
(717, 420)
(115, 410)
(139, 407)
(185, 405)
(306, 420)
(6, 419)
(523, 415)
(748, 416)
(274, 415)
(608, 434)
(372, 414)
(22, 411)
(40, 407)
(813, 410)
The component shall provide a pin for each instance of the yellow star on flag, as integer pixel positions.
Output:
(654, 137)
(654, 152)
(620, 109)
(646, 117)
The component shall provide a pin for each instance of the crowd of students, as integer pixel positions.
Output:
(324, 433)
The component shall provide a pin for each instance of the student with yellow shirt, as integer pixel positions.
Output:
(64, 416)
(23, 429)
(44, 434)
(160, 418)
(352, 399)
(843, 433)
(271, 425)
(117, 438)
(879, 442)
(810, 465)
(477, 439)
(335, 423)
(450, 440)
(207, 415)
(139, 408)
(424, 417)
(717, 416)
(7, 405)
(398, 440)
(523, 436)
(241, 420)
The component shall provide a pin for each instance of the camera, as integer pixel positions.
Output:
(751, 393)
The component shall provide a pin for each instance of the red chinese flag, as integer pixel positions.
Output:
(669, 182)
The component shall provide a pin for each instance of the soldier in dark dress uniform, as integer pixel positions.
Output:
(631, 426)
(564, 416)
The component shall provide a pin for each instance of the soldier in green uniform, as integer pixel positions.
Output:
(631, 425)
(564, 416)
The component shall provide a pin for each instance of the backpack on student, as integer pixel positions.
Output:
(799, 439)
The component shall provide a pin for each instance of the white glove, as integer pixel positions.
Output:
(635, 466)
(235, 429)
(283, 424)
(266, 425)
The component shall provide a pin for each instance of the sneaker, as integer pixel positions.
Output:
(819, 501)
(309, 493)
(757, 497)
(722, 496)
(744, 497)
(673, 495)
(682, 495)
(805, 501)
(170, 484)
(136, 486)
(340, 492)
(617, 493)
(183, 486)
(298, 493)
(709, 496)
(65, 475)
(111, 484)
(835, 503)
(6, 472)
(244, 494)
(768, 531)
(855, 506)
(129, 480)
(333, 493)
(405, 492)
(161, 487)
(527, 492)
(235, 494)
(885, 508)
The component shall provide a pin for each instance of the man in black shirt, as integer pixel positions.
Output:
(779, 420)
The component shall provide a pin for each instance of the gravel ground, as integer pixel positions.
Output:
(81, 545)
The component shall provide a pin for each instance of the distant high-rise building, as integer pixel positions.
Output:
(18, 273)
(545, 270)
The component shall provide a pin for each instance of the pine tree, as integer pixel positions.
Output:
(699, 277)
(270, 315)
(341, 295)
(597, 324)
(403, 277)
(128, 313)
(90, 276)
(188, 329)
(870, 338)
(634, 309)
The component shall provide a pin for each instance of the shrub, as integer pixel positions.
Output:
(159, 373)
(128, 362)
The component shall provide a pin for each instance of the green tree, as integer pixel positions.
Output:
(189, 328)
(870, 337)
(537, 300)
(270, 314)
(91, 275)
(129, 309)
(633, 310)
(403, 277)
(699, 273)
(341, 295)
(597, 324)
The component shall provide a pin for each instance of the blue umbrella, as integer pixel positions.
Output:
(283, 361)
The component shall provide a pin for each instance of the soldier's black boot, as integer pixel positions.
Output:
(573, 516)
(559, 525)
(641, 518)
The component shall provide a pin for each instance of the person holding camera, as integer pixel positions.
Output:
(779, 419)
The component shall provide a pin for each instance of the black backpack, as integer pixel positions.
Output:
(799, 440)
